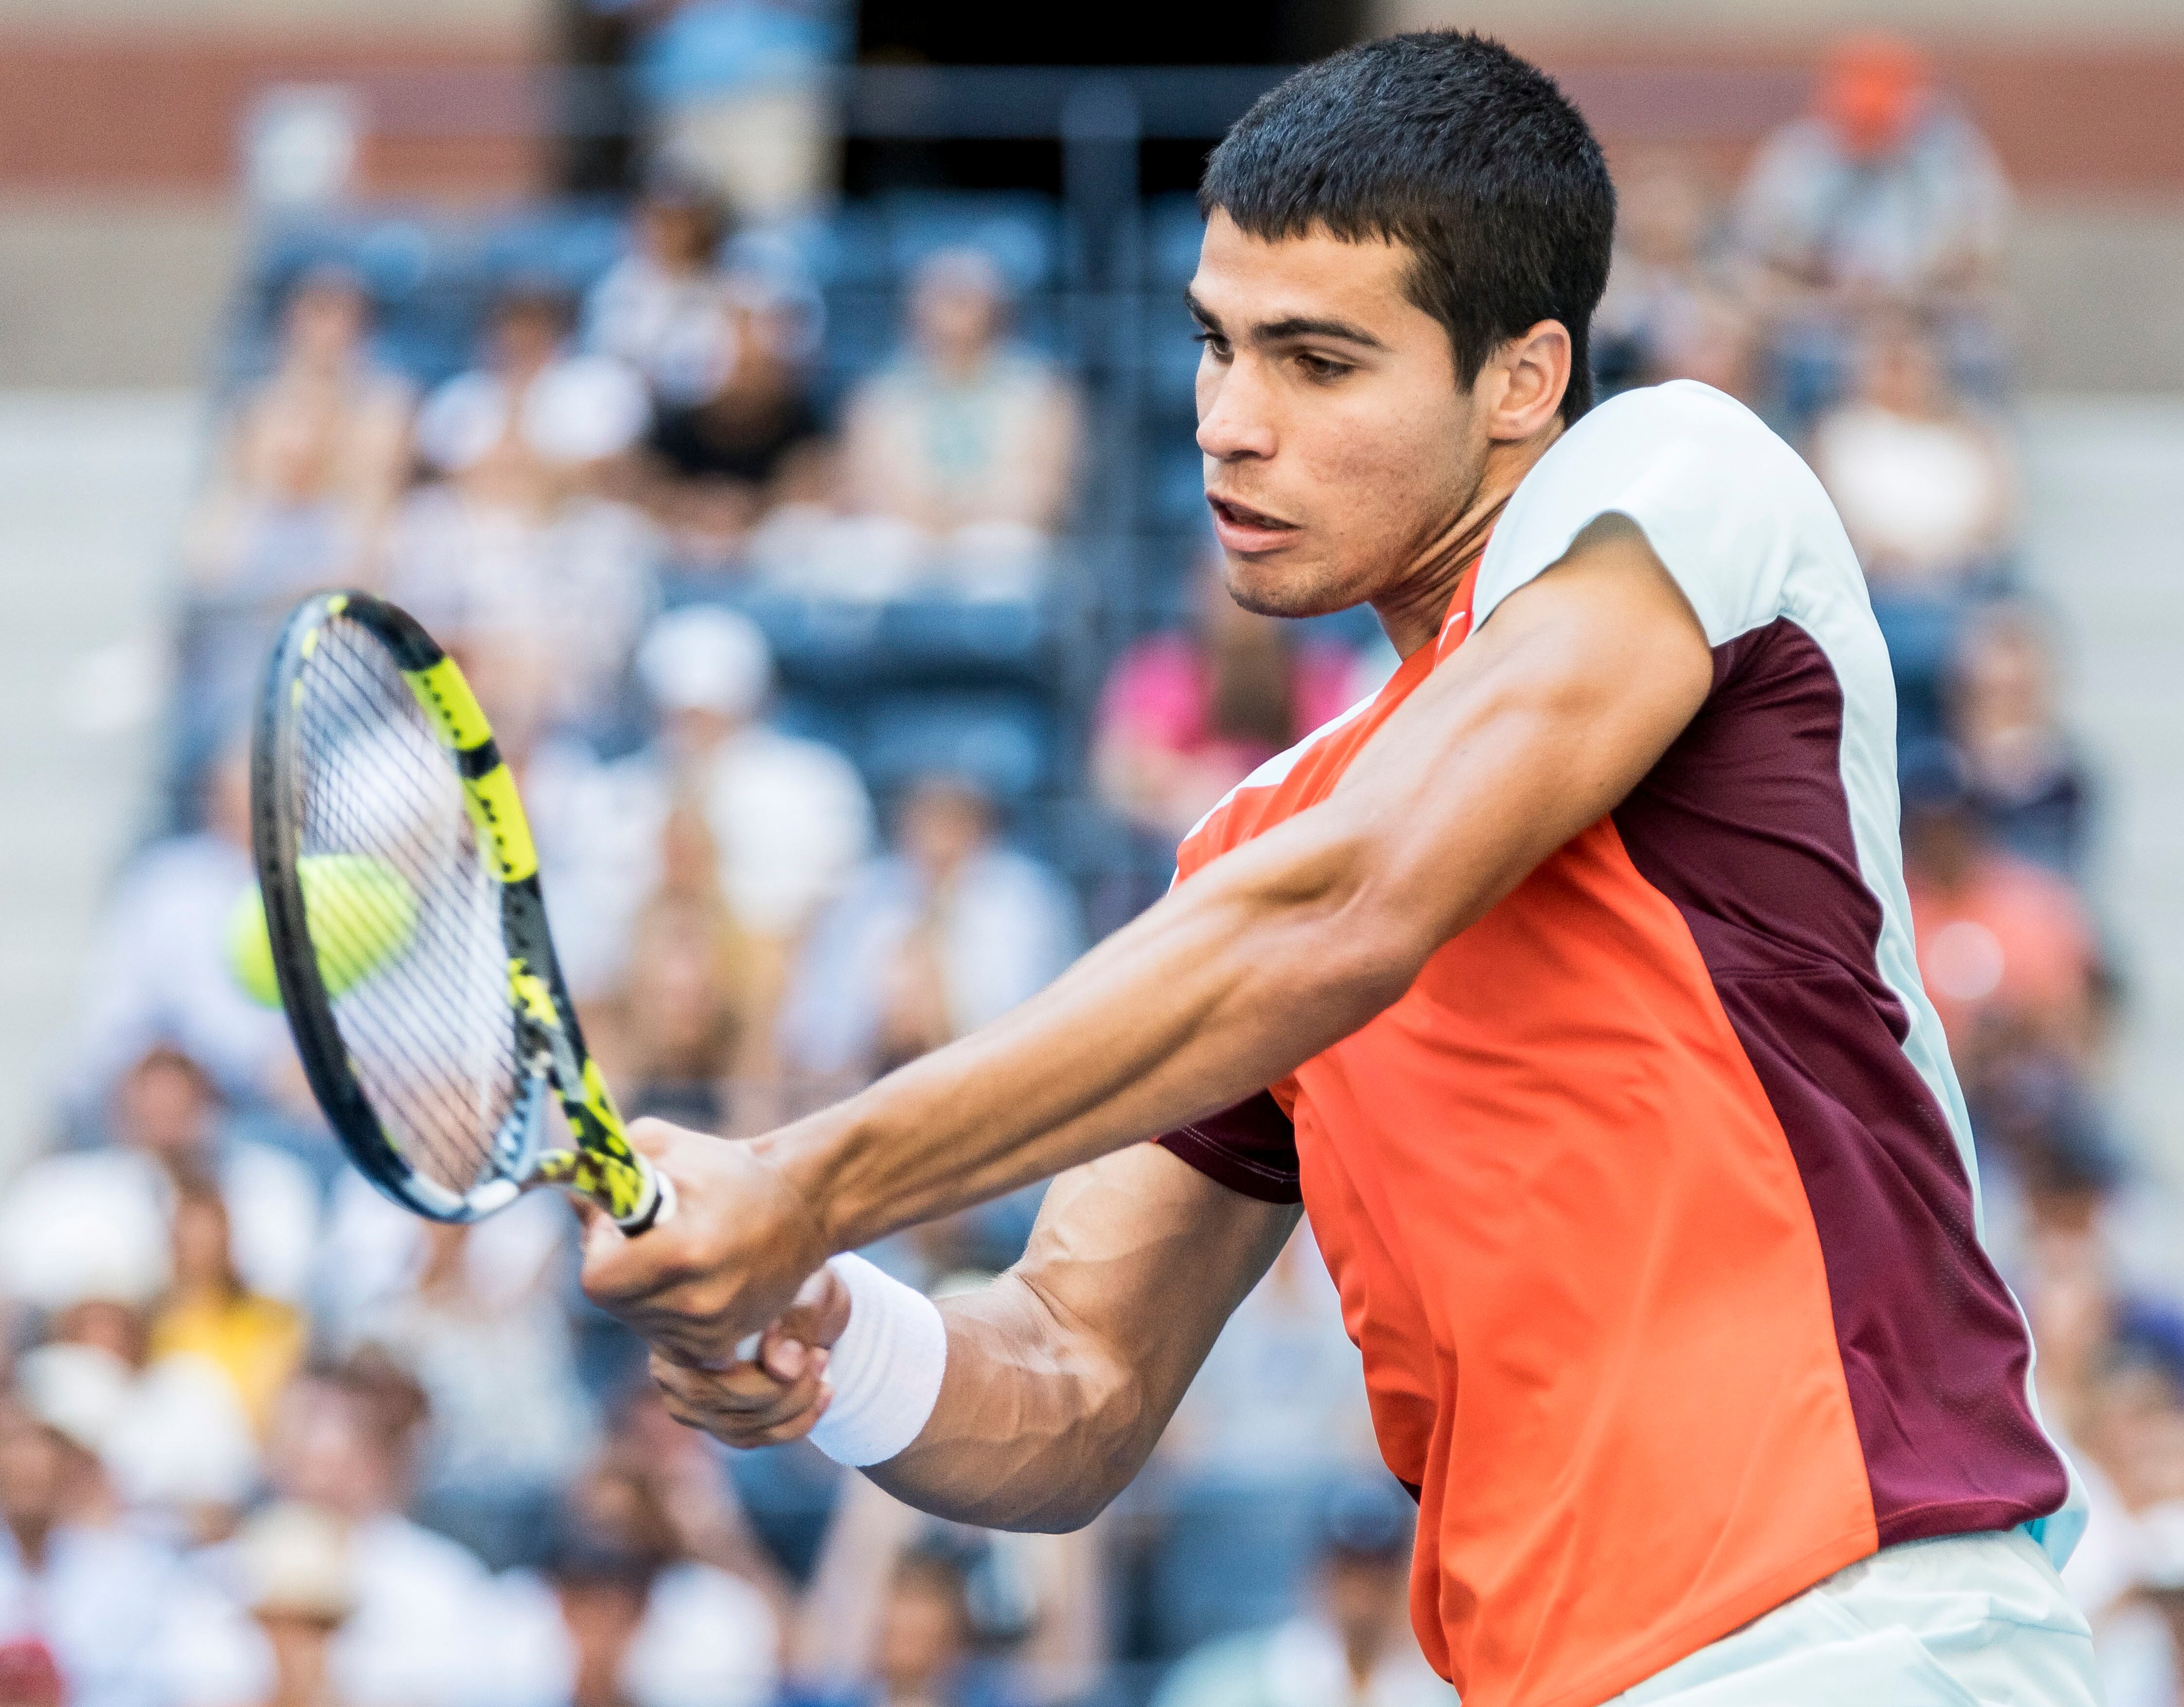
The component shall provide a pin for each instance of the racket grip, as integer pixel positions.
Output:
(657, 1205)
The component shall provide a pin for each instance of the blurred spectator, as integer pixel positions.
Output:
(570, 589)
(948, 931)
(534, 422)
(2032, 786)
(1924, 484)
(788, 818)
(1185, 717)
(904, 1611)
(171, 1436)
(2006, 953)
(425, 1628)
(298, 1587)
(652, 1477)
(740, 97)
(481, 1327)
(2142, 1650)
(64, 1214)
(310, 458)
(660, 309)
(697, 1001)
(521, 545)
(92, 1613)
(1671, 310)
(960, 454)
(1275, 1418)
(920, 1650)
(210, 1312)
(1279, 1402)
(751, 439)
(1354, 1645)
(1883, 193)
(158, 970)
(620, 1619)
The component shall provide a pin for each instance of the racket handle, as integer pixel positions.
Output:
(659, 1205)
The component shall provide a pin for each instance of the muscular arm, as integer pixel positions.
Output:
(1062, 1372)
(1542, 722)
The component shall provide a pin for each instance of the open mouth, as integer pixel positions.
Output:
(1243, 528)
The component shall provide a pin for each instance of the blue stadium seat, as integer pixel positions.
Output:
(1021, 230)
(1173, 231)
(1004, 741)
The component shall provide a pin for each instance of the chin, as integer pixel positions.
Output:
(1284, 589)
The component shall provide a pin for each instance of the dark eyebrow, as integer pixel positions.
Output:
(1285, 330)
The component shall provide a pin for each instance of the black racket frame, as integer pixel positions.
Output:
(602, 1167)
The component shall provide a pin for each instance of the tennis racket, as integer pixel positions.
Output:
(408, 935)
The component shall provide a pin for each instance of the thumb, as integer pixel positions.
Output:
(815, 1320)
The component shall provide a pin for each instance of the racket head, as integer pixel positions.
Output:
(407, 934)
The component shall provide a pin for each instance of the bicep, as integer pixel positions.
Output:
(1540, 725)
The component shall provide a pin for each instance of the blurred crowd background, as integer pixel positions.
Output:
(784, 412)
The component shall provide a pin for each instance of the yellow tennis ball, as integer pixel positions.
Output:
(360, 912)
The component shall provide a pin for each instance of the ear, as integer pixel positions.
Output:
(1522, 383)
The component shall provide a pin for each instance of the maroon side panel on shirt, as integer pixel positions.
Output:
(1251, 1148)
(1745, 826)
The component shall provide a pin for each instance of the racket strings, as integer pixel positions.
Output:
(403, 914)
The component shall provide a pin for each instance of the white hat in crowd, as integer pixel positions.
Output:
(82, 1227)
(706, 659)
(2161, 1546)
(294, 1562)
(79, 1392)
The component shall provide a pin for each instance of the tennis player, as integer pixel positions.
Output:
(1568, 982)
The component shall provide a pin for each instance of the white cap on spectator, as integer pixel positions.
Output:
(78, 1392)
(100, 1241)
(2161, 1545)
(294, 1559)
(704, 659)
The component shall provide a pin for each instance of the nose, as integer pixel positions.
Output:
(1233, 421)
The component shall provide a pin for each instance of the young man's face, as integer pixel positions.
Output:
(1338, 445)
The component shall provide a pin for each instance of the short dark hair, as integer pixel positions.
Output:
(1450, 144)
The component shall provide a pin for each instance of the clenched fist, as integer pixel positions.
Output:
(724, 1265)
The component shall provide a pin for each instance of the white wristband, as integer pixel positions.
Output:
(885, 1368)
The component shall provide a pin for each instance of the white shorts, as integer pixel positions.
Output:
(1964, 1620)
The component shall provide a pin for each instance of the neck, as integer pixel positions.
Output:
(31, 1535)
(1362, 1649)
(1411, 611)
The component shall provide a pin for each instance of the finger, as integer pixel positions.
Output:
(820, 1310)
(744, 1390)
(745, 1437)
(794, 1429)
(717, 1409)
(784, 1360)
(652, 1138)
(607, 1275)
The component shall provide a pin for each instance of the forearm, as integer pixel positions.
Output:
(1167, 1018)
(1061, 1373)
(1035, 1429)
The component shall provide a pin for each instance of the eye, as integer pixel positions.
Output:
(1212, 341)
(1320, 367)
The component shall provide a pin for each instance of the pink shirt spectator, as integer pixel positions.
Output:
(1159, 705)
